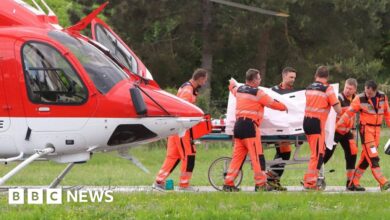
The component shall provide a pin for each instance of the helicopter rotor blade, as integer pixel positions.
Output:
(251, 8)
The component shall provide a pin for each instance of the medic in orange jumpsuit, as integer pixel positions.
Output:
(250, 102)
(283, 150)
(319, 98)
(343, 134)
(373, 106)
(182, 148)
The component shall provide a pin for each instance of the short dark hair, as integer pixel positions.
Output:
(322, 72)
(287, 70)
(371, 84)
(199, 73)
(251, 74)
(352, 82)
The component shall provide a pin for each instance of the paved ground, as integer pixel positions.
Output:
(329, 189)
(203, 189)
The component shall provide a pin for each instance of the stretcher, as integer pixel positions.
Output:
(268, 141)
(214, 131)
(218, 168)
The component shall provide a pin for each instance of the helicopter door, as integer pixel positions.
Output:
(56, 98)
(103, 34)
(7, 142)
(4, 110)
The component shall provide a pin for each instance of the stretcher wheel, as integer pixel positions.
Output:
(218, 170)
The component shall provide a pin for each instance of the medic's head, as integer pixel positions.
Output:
(253, 78)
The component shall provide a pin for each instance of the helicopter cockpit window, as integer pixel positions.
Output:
(117, 49)
(104, 73)
(50, 79)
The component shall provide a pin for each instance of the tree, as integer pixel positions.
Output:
(174, 37)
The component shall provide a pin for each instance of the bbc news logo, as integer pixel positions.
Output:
(55, 196)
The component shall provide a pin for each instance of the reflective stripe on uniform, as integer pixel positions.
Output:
(378, 172)
(350, 173)
(359, 172)
(186, 174)
(248, 96)
(245, 112)
(310, 179)
(316, 110)
(316, 93)
(341, 128)
(312, 172)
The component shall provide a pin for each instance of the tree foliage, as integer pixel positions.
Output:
(352, 37)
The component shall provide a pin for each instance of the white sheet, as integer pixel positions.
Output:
(282, 123)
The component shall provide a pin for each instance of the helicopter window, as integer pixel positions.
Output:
(50, 79)
(104, 73)
(117, 49)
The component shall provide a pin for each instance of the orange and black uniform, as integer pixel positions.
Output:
(345, 137)
(180, 149)
(319, 99)
(372, 111)
(283, 151)
(250, 103)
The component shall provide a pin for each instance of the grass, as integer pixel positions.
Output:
(212, 206)
(108, 169)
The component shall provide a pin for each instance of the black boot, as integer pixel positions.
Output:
(227, 188)
(275, 185)
(264, 188)
(354, 187)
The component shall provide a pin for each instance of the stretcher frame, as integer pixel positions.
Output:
(268, 142)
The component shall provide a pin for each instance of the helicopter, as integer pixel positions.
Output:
(65, 96)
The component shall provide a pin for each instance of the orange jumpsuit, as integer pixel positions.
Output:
(283, 151)
(372, 111)
(180, 149)
(319, 98)
(345, 137)
(249, 113)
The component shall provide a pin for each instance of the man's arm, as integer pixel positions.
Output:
(337, 108)
(333, 100)
(386, 112)
(352, 110)
(233, 86)
(269, 102)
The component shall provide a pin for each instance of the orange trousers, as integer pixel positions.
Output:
(370, 136)
(178, 149)
(241, 148)
(315, 133)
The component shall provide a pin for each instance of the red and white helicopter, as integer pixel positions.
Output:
(64, 96)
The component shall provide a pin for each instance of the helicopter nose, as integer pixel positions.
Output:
(170, 105)
(182, 114)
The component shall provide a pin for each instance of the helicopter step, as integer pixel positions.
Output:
(10, 159)
(39, 153)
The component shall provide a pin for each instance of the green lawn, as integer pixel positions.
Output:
(110, 170)
(213, 206)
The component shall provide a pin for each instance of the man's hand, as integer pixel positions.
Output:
(232, 83)
(337, 109)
